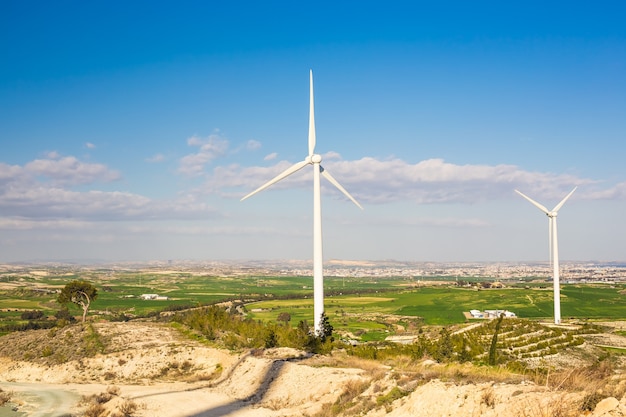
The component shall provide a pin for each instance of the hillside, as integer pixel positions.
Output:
(148, 369)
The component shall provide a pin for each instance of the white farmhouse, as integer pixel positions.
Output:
(153, 297)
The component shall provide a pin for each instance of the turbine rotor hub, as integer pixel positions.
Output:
(316, 158)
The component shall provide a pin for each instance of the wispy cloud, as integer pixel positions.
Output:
(59, 171)
(90, 145)
(253, 145)
(209, 148)
(271, 156)
(156, 158)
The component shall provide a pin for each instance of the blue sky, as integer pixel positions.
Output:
(130, 131)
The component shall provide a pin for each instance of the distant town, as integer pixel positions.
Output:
(571, 272)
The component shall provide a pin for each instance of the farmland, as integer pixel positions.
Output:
(372, 308)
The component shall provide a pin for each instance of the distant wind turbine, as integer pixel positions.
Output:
(554, 248)
(315, 160)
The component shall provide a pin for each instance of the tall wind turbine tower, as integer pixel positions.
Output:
(554, 248)
(315, 160)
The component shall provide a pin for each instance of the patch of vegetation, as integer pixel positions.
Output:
(232, 330)
(394, 394)
(507, 342)
(54, 346)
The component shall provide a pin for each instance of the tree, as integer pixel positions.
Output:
(444, 348)
(494, 342)
(284, 317)
(81, 293)
(326, 329)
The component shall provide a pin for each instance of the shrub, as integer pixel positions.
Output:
(394, 394)
(95, 410)
(590, 401)
(128, 408)
(32, 315)
(489, 398)
(5, 397)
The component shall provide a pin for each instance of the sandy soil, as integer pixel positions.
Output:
(170, 377)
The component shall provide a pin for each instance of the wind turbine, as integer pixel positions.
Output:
(554, 248)
(315, 160)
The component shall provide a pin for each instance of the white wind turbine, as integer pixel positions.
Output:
(554, 248)
(315, 160)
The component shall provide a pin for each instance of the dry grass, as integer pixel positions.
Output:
(555, 407)
(595, 381)
(340, 359)
(95, 410)
(277, 404)
(351, 390)
(421, 372)
(128, 408)
(96, 404)
(488, 397)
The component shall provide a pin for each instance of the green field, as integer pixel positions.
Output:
(360, 305)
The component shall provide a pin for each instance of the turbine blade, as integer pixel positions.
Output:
(285, 173)
(533, 202)
(311, 116)
(334, 182)
(558, 206)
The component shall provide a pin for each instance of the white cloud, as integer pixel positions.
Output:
(41, 191)
(9, 172)
(430, 181)
(618, 192)
(90, 145)
(69, 170)
(53, 203)
(210, 148)
(271, 156)
(332, 156)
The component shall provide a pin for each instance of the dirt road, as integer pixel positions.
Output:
(39, 400)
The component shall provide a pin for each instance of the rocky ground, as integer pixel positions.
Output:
(148, 369)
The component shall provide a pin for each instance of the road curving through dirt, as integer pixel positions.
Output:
(38, 400)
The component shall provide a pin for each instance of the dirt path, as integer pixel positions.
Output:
(39, 400)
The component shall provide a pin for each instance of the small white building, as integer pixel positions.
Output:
(494, 314)
(491, 314)
(153, 297)
(477, 314)
(148, 296)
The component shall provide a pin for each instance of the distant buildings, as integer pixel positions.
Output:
(491, 314)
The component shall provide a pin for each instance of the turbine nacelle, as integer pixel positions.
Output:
(313, 159)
